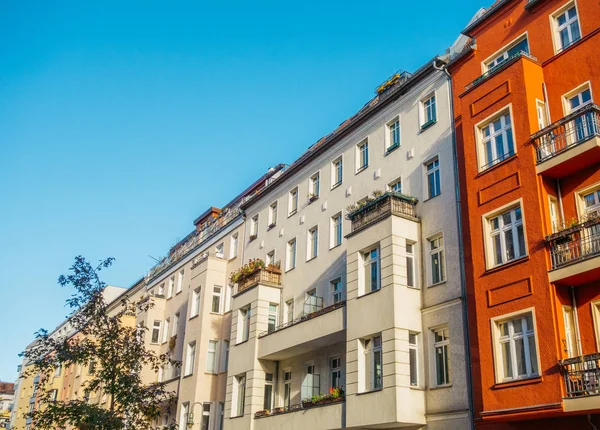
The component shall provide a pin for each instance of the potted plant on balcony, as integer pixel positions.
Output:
(247, 270)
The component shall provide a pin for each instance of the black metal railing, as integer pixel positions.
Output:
(566, 133)
(304, 317)
(581, 375)
(390, 203)
(299, 407)
(577, 243)
(496, 69)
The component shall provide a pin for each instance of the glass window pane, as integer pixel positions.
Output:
(520, 353)
(506, 359)
(412, 355)
(510, 246)
(533, 354)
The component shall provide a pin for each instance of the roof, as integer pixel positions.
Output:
(482, 15)
(7, 388)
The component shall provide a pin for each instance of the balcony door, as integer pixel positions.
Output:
(583, 126)
(570, 341)
(311, 383)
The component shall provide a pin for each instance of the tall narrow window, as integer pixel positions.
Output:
(291, 254)
(429, 111)
(516, 348)
(335, 372)
(253, 227)
(519, 46)
(287, 389)
(567, 28)
(497, 141)
(161, 290)
(371, 270)
(289, 311)
(293, 202)
(165, 332)
(270, 257)
(272, 321)
(434, 186)
(396, 186)
(410, 265)
(373, 363)
(268, 398)
(190, 358)
(155, 332)
(441, 344)
(438, 261)
(273, 215)
(180, 281)
(244, 324)
(240, 394)
(570, 341)
(314, 186)
(220, 250)
(554, 217)
(393, 140)
(211, 357)
(195, 303)
(336, 290)
(336, 172)
(362, 156)
(541, 114)
(336, 230)
(313, 243)
(225, 356)
(183, 414)
(413, 359)
(221, 415)
(233, 246)
(507, 239)
(216, 299)
(175, 324)
(205, 415)
(170, 287)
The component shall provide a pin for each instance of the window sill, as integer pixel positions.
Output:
(428, 124)
(178, 292)
(518, 382)
(436, 284)
(289, 270)
(252, 238)
(431, 198)
(271, 226)
(187, 376)
(335, 246)
(441, 387)
(334, 186)
(292, 213)
(237, 416)
(312, 258)
(362, 169)
(500, 163)
(216, 313)
(195, 316)
(391, 149)
(369, 293)
(370, 392)
(242, 342)
(506, 265)
(313, 199)
(232, 258)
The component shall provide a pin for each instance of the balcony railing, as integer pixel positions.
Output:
(581, 375)
(300, 406)
(387, 204)
(566, 133)
(264, 276)
(510, 60)
(576, 243)
(305, 317)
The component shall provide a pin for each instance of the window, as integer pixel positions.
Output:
(291, 254)
(175, 324)
(270, 257)
(396, 186)
(179, 281)
(289, 308)
(165, 332)
(429, 114)
(268, 398)
(566, 25)
(393, 135)
(170, 287)
(371, 270)
(58, 370)
(521, 45)
(337, 171)
(441, 344)
(554, 215)
(205, 416)
(335, 372)
(516, 352)
(585, 125)
(233, 246)
(219, 250)
(216, 299)
(53, 395)
(541, 114)
(336, 290)
(211, 356)
(161, 290)
(579, 100)
(433, 178)
(228, 294)
(373, 363)
(240, 394)
(155, 332)
(410, 265)
(287, 389)
(190, 358)
(224, 355)
(413, 359)
(336, 230)
(254, 227)
(362, 156)
(293, 202)
(159, 377)
(273, 215)
(313, 243)
(438, 262)
(221, 415)
(314, 186)
(506, 237)
(183, 414)
(272, 321)
(570, 341)
(496, 140)
(244, 324)
(591, 201)
(195, 303)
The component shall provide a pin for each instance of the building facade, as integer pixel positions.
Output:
(528, 140)
(7, 397)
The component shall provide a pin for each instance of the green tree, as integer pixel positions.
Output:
(108, 343)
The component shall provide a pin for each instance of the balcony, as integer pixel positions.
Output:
(381, 207)
(265, 276)
(581, 376)
(570, 144)
(497, 69)
(324, 414)
(317, 327)
(575, 253)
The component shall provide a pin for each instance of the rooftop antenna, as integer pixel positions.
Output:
(155, 259)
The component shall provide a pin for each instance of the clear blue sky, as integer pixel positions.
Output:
(120, 122)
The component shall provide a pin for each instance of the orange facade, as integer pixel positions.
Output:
(528, 146)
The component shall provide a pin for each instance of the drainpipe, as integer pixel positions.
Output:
(463, 282)
(576, 322)
(276, 384)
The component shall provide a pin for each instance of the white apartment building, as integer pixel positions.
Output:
(369, 300)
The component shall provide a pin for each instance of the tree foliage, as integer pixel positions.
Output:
(106, 341)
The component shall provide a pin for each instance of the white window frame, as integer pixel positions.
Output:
(440, 251)
(239, 396)
(337, 295)
(489, 233)
(371, 351)
(212, 356)
(582, 209)
(555, 28)
(244, 322)
(577, 91)
(272, 214)
(505, 131)
(291, 258)
(312, 243)
(334, 172)
(287, 387)
(427, 172)
(233, 246)
(413, 347)
(333, 242)
(165, 330)
(195, 303)
(190, 358)
(444, 344)
(171, 286)
(184, 413)
(254, 225)
(293, 201)
(314, 186)
(156, 328)
(503, 52)
(335, 369)
(425, 120)
(176, 317)
(219, 296)
(390, 145)
(366, 260)
(411, 263)
(269, 383)
(205, 413)
(224, 362)
(497, 349)
(161, 289)
(180, 281)
(289, 310)
(392, 185)
(362, 162)
(270, 257)
(272, 316)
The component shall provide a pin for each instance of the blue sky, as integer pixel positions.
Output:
(120, 122)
